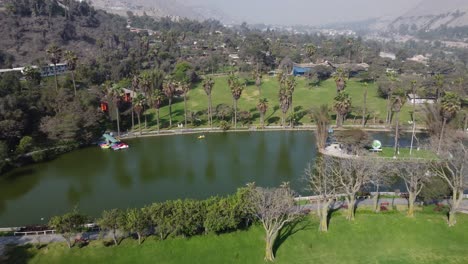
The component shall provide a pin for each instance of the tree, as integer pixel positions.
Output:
(399, 99)
(236, 90)
(342, 107)
(324, 185)
(169, 90)
(450, 106)
(364, 108)
(274, 208)
(262, 107)
(208, 85)
(311, 49)
(415, 175)
(452, 167)
(258, 80)
(185, 89)
(322, 121)
(146, 88)
(285, 102)
(72, 60)
(68, 225)
(32, 75)
(439, 80)
(340, 80)
(136, 221)
(55, 55)
(157, 100)
(135, 87)
(139, 103)
(353, 174)
(111, 221)
(114, 92)
(290, 86)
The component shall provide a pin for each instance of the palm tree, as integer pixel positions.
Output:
(55, 55)
(72, 60)
(393, 79)
(322, 120)
(135, 87)
(342, 107)
(114, 92)
(208, 85)
(450, 106)
(262, 107)
(185, 88)
(398, 100)
(364, 108)
(340, 80)
(145, 88)
(284, 101)
(157, 100)
(139, 103)
(310, 51)
(439, 82)
(291, 86)
(236, 90)
(169, 90)
(258, 80)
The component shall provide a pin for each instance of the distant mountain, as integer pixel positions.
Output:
(161, 8)
(432, 15)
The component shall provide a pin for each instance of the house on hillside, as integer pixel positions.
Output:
(416, 99)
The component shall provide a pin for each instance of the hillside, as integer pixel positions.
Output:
(433, 15)
(27, 33)
(160, 8)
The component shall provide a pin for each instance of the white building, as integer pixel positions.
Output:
(416, 99)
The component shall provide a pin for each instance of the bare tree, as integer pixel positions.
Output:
(322, 183)
(379, 179)
(353, 174)
(452, 167)
(322, 120)
(274, 208)
(415, 174)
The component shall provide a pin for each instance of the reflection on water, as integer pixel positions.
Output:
(155, 169)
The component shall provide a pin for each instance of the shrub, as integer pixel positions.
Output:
(224, 125)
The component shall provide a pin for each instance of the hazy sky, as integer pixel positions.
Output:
(310, 12)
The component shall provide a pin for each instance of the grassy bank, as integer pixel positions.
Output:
(305, 97)
(372, 238)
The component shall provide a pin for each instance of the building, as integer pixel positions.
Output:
(46, 71)
(416, 99)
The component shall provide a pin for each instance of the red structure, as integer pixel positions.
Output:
(104, 107)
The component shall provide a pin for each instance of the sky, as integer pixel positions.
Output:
(307, 12)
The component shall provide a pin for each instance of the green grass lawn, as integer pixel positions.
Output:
(305, 97)
(372, 238)
(388, 152)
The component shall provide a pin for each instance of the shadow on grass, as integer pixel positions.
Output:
(289, 230)
(19, 254)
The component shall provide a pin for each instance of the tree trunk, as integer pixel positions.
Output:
(170, 112)
(387, 120)
(411, 200)
(466, 123)
(146, 119)
(210, 112)
(185, 109)
(262, 119)
(68, 240)
(235, 114)
(364, 109)
(55, 75)
(118, 121)
(457, 197)
(397, 127)
(139, 238)
(270, 241)
(114, 237)
(139, 124)
(323, 227)
(376, 202)
(351, 205)
(157, 119)
(441, 135)
(73, 80)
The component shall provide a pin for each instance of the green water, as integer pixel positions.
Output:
(153, 169)
(156, 169)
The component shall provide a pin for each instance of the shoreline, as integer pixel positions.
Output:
(191, 131)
